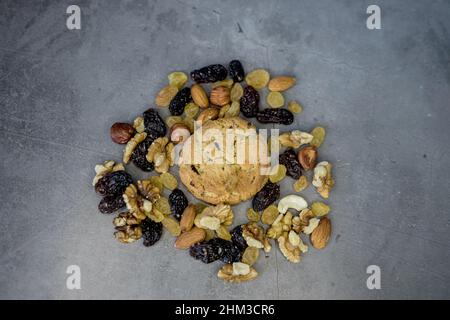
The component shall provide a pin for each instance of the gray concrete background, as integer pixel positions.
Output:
(382, 95)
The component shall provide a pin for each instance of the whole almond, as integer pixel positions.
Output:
(281, 83)
(321, 234)
(187, 219)
(199, 96)
(208, 114)
(220, 96)
(189, 238)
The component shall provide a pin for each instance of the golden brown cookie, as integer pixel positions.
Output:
(227, 168)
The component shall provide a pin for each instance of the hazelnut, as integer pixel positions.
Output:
(220, 96)
(179, 132)
(121, 132)
(307, 157)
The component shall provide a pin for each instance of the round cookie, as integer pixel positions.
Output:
(226, 169)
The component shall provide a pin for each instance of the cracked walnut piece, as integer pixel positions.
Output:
(134, 202)
(322, 180)
(162, 154)
(131, 145)
(291, 252)
(295, 139)
(127, 226)
(215, 216)
(107, 167)
(254, 236)
(233, 274)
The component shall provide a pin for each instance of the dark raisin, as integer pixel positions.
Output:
(236, 71)
(113, 183)
(250, 102)
(112, 203)
(205, 252)
(182, 98)
(227, 251)
(140, 153)
(178, 202)
(154, 124)
(269, 115)
(237, 238)
(266, 196)
(289, 159)
(212, 73)
(151, 231)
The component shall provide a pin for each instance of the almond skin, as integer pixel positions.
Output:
(281, 83)
(208, 114)
(220, 96)
(321, 235)
(307, 157)
(199, 96)
(189, 238)
(187, 219)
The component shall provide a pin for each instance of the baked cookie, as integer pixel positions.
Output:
(224, 162)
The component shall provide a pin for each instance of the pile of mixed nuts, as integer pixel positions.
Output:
(204, 229)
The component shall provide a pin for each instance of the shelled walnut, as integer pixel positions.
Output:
(161, 153)
(236, 273)
(323, 181)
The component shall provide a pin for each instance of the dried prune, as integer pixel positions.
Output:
(205, 252)
(183, 97)
(237, 238)
(211, 73)
(282, 116)
(154, 124)
(139, 155)
(151, 231)
(227, 251)
(250, 102)
(113, 183)
(289, 159)
(266, 196)
(178, 202)
(112, 203)
(236, 70)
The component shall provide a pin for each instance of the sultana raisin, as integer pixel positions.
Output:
(250, 102)
(266, 196)
(138, 157)
(113, 183)
(211, 73)
(178, 202)
(282, 116)
(236, 70)
(154, 124)
(289, 159)
(151, 231)
(112, 203)
(182, 98)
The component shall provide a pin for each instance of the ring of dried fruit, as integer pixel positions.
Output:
(205, 229)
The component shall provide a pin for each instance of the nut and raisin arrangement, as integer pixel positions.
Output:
(219, 99)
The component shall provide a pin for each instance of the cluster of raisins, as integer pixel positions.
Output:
(216, 249)
(290, 160)
(112, 186)
(266, 196)
(178, 202)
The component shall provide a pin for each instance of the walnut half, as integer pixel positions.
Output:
(235, 275)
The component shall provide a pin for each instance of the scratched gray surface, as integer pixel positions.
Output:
(383, 96)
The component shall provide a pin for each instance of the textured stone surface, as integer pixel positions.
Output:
(383, 96)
